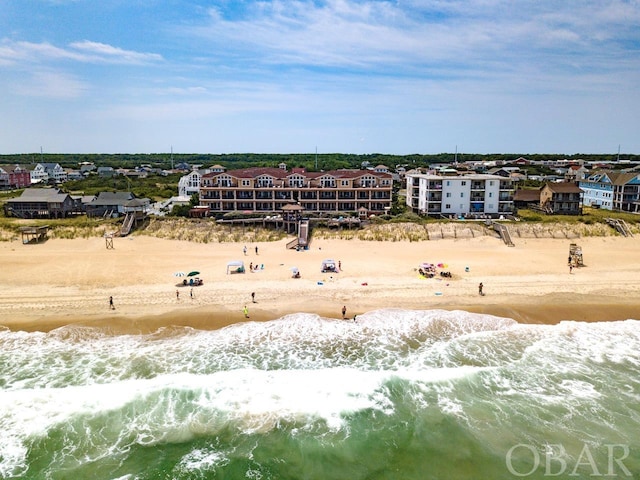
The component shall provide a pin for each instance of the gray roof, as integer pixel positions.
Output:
(40, 195)
(112, 198)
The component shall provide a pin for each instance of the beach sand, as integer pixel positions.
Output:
(61, 282)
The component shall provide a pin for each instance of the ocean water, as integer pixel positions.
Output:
(394, 395)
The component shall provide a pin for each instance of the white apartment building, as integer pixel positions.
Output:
(473, 194)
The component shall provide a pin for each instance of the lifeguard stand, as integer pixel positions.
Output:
(575, 255)
(108, 237)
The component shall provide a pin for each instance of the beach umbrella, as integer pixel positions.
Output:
(179, 274)
(294, 269)
(193, 274)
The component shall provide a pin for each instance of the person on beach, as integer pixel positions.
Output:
(480, 287)
(111, 306)
(256, 250)
(339, 265)
(245, 310)
(253, 297)
(344, 312)
(244, 250)
(191, 293)
(177, 294)
(570, 269)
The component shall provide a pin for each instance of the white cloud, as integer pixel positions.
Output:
(415, 36)
(51, 84)
(108, 53)
(12, 52)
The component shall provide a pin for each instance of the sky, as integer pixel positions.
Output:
(336, 76)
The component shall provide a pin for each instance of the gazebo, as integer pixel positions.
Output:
(291, 215)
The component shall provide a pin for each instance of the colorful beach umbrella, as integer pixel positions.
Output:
(193, 274)
(179, 274)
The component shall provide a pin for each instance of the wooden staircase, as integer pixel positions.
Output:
(620, 226)
(503, 231)
(302, 239)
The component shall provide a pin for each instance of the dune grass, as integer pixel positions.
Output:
(531, 225)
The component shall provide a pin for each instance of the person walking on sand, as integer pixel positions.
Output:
(344, 312)
(253, 297)
(245, 310)
(480, 287)
(111, 306)
(244, 250)
(570, 269)
(191, 293)
(177, 294)
(256, 250)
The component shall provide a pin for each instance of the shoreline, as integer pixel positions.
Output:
(546, 311)
(64, 282)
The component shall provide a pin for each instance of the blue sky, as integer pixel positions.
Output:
(346, 76)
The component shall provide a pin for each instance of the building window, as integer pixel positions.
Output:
(464, 182)
(448, 194)
(246, 183)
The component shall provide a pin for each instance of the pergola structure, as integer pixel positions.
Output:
(34, 234)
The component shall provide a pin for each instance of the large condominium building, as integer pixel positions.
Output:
(437, 195)
(269, 189)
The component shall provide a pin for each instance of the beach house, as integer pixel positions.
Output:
(48, 173)
(563, 198)
(14, 176)
(612, 190)
(115, 204)
(41, 203)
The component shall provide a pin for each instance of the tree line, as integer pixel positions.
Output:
(310, 161)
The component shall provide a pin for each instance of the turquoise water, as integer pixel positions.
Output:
(396, 395)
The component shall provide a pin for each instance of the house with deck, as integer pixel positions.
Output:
(115, 204)
(561, 198)
(41, 203)
(612, 190)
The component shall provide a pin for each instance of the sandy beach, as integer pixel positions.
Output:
(62, 282)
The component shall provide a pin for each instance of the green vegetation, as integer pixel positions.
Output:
(154, 187)
(590, 216)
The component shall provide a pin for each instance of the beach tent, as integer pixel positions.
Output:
(329, 265)
(235, 266)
